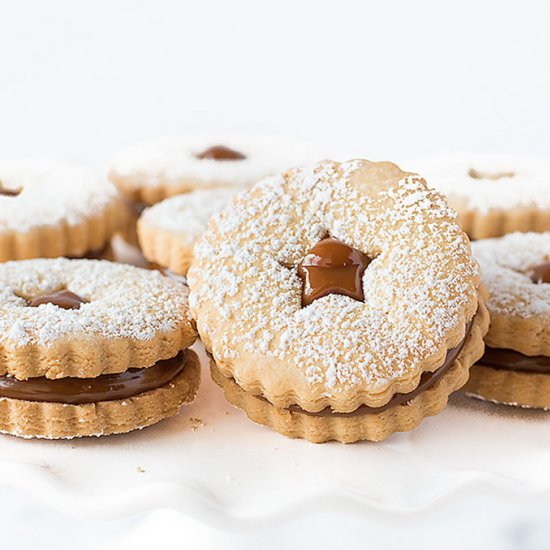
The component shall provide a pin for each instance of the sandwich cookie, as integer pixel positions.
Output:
(515, 369)
(339, 302)
(492, 194)
(48, 209)
(168, 231)
(90, 347)
(150, 172)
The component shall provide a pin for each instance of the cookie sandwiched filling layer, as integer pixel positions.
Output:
(507, 359)
(104, 253)
(427, 380)
(106, 387)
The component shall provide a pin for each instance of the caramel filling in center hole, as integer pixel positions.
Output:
(486, 175)
(332, 267)
(540, 273)
(9, 192)
(220, 152)
(64, 299)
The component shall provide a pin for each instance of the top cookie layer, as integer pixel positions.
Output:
(48, 209)
(186, 216)
(131, 318)
(486, 182)
(519, 308)
(48, 193)
(155, 170)
(420, 288)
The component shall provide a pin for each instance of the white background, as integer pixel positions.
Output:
(384, 79)
(379, 79)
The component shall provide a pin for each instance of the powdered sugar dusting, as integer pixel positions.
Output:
(504, 264)
(417, 288)
(51, 193)
(187, 215)
(521, 181)
(172, 160)
(124, 301)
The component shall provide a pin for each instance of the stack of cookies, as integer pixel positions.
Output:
(515, 368)
(91, 347)
(336, 300)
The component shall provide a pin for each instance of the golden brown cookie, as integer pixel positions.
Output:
(150, 172)
(168, 231)
(515, 368)
(364, 423)
(338, 287)
(91, 347)
(48, 209)
(29, 416)
(493, 194)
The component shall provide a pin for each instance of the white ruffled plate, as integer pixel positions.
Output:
(213, 464)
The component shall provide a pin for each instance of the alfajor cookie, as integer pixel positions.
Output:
(168, 231)
(515, 368)
(49, 209)
(90, 347)
(492, 194)
(153, 171)
(339, 302)
(150, 172)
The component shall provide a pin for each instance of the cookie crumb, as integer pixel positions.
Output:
(140, 470)
(196, 423)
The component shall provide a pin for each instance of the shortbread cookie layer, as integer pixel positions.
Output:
(420, 286)
(128, 318)
(153, 171)
(48, 209)
(169, 230)
(515, 368)
(520, 389)
(367, 426)
(51, 420)
(519, 308)
(493, 195)
(129, 231)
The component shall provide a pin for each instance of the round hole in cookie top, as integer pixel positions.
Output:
(332, 267)
(540, 273)
(491, 176)
(63, 298)
(220, 152)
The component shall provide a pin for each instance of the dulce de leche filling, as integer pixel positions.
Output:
(64, 299)
(508, 359)
(427, 380)
(332, 267)
(220, 153)
(107, 387)
(9, 192)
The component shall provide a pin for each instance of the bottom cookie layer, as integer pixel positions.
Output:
(508, 387)
(371, 427)
(61, 421)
